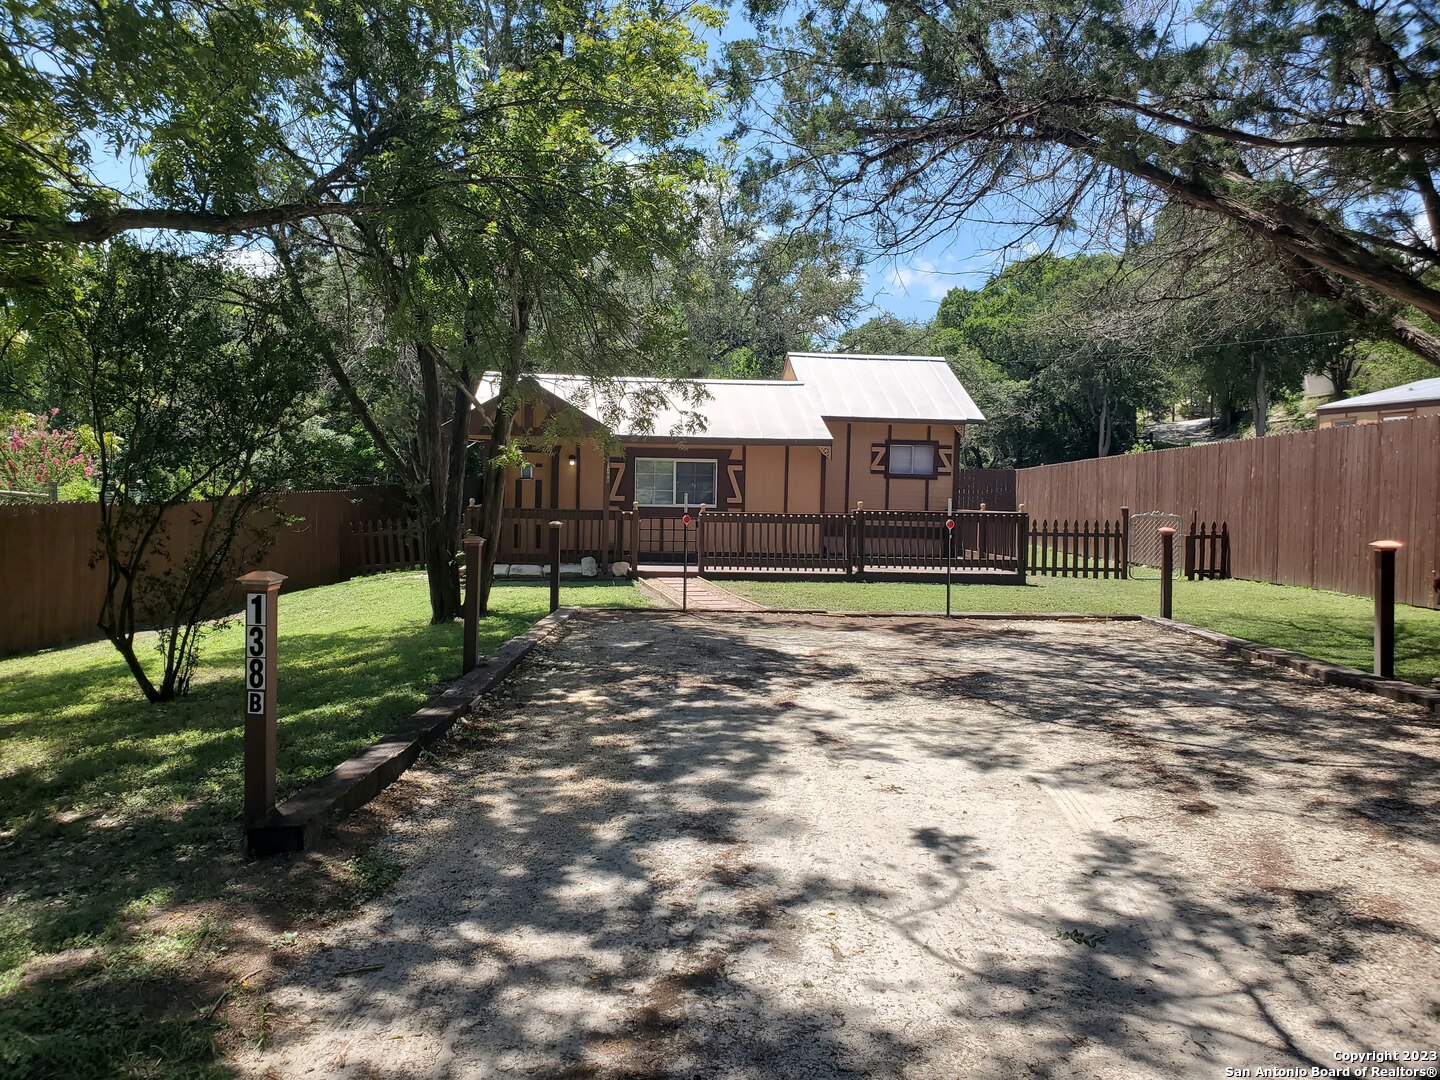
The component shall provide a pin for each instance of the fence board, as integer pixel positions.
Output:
(53, 594)
(1301, 508)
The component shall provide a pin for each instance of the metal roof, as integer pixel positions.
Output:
(1424, 392)
(700, 410)
(863, 386)
(836, 386)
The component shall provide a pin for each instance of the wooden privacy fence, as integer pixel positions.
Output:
(1301, 508)
(53, 593)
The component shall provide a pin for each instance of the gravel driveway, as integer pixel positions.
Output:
(780, 846)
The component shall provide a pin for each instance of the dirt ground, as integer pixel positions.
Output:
(766, 846)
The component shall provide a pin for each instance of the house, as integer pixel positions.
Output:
(1398, 403)
(836, 429)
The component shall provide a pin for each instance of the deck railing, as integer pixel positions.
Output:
(743, 541)
(1079, 548)
(856, 543)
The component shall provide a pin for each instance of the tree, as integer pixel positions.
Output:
(1313, 128)
(1069, 357)
(189, 375)
(584, 116)
(34, 455)
(758, 282)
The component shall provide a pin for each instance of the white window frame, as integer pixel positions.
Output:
(714, 464)
(911, 444)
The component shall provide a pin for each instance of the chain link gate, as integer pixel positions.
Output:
(1145, 543)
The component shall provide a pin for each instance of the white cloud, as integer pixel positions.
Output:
(930, 279)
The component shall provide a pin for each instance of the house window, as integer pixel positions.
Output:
(911, 459)
(674, 482)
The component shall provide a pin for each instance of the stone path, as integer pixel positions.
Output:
(703, 595)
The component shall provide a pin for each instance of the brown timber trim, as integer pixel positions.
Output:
(785, 491)
(955, 469)
(824, 461)
(889, 436)
(849, 439)
(555, 478)
(690, 440)
(935, 465)
(578, 457)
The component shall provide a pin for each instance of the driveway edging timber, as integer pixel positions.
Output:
(1319, 670)
(296, 823)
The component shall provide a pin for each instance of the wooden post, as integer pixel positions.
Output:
(949, 555)
(635, 539)
(859, 518)
(1167, 568)
(261, 589)
(555, 527)
(1023, 543)
(685, 556)
(700, 541)
(472, 546)
(1124, 541)
(1385, 606)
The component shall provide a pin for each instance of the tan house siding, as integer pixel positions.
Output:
(859, 473)
(1351, 417)
(757, 477)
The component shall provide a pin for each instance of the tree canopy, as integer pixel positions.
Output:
(1313, 127)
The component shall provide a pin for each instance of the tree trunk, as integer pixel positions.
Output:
(1262, 400)
(1103, 444)
(1226, 413)
(492, 502)
(493, 490)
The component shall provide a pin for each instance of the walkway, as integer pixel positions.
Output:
(704, 595)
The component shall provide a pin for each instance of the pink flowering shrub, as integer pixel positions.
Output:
(33, 455)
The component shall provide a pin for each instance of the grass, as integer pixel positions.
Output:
(119, 820)
(1328, 626)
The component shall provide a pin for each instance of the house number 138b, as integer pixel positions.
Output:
(255, 659)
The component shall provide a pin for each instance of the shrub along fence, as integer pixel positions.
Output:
(52, 593)
(1301, 508)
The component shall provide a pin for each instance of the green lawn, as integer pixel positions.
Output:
(1326, 625)
(114, 812)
